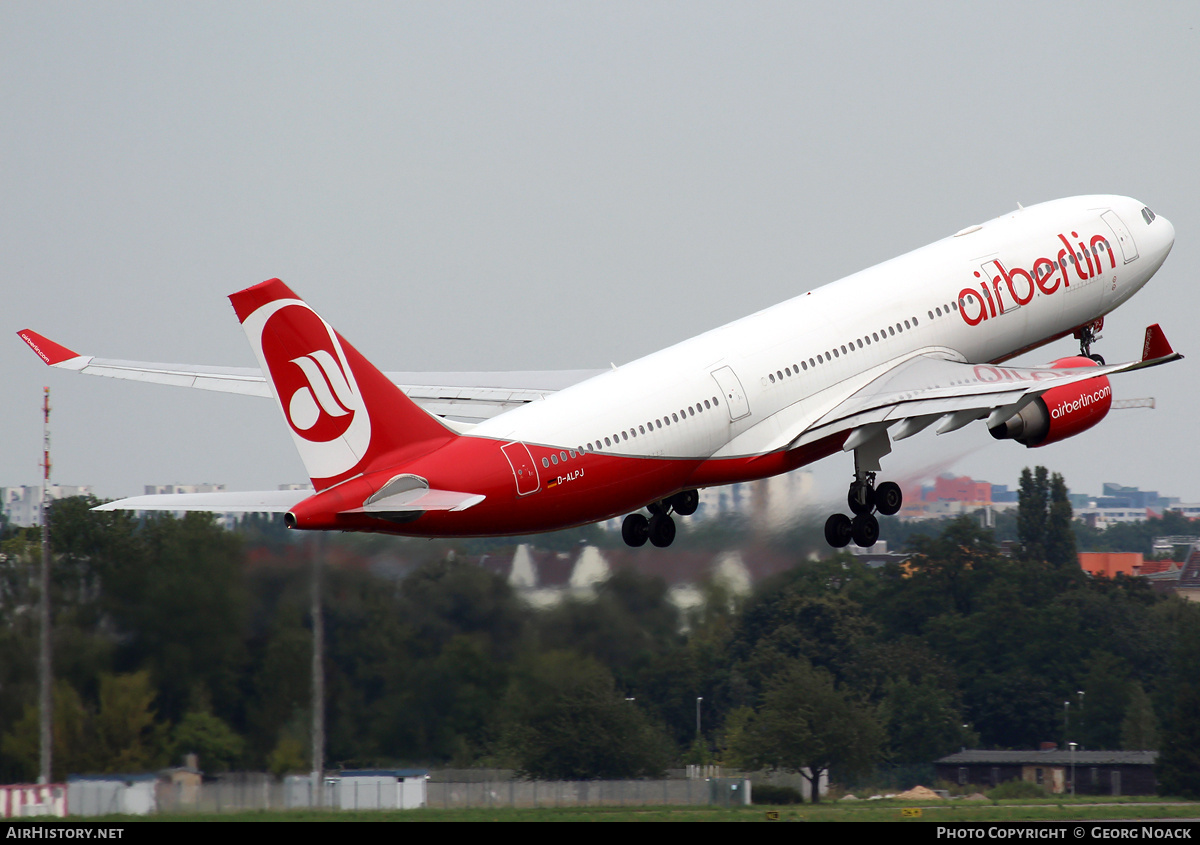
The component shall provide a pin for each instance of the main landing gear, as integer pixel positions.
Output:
(659, 528)
(1087, 335)
(864, 498)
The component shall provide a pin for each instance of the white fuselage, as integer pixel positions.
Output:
(795, 359)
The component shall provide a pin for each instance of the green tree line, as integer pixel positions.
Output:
(173, 635)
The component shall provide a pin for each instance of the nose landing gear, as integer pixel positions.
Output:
(659, 528)
(1087, 335)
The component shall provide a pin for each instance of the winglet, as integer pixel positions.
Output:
(1156, 344)
(49, 351)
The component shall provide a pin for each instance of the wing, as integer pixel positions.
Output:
(925, 390)
(403, 496)
(465, 397)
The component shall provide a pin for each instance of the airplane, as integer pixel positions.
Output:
(917, 341)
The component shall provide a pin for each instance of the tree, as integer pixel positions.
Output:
(1033, 494)
(1139, 729)
(806, 725)
(1179, 754)
(1059, 542)
(216, 746)
(127, 735)
(1044, 521)
(71, 750)
(565, 720)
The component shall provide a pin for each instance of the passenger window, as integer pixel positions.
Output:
(607, 442)
(691, 413)
(642, 429)
(624, 435)
(780, 374)
(563, 456)
(546, 463)
(771, 377)
(706, 405)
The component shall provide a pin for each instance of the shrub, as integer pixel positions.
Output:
(1016, 789)
(767, 794)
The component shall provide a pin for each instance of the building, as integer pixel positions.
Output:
(23, 505)
(1095, 772)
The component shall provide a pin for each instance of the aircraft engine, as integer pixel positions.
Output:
(1060, 412)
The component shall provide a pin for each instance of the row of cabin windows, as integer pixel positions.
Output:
(943, 310)
(647, 428)
(846, 349)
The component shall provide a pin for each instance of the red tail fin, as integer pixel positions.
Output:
(345, 416)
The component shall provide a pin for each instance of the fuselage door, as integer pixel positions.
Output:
(1124, 239)
(731, 390)
(523, 468)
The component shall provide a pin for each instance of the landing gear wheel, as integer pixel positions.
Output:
(662, 530)
(657, 508)
(864, 530)
(635, 530)
(888, 498)
(1099, 359)
(861, 498)
(685, 503)
(838, 531)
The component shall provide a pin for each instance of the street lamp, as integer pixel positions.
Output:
(1072, 744)
(698, 700)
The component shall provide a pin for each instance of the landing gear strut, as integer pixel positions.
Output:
(1088, 335)
(659, 528)
(864, 498)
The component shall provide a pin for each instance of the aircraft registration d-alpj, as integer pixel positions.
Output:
(878, 356)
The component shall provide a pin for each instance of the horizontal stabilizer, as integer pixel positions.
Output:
(410, 494)
(419, 501)
(267, 501)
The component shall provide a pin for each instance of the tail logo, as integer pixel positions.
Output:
(314, 384)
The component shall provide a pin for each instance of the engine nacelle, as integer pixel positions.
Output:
(1060, 412)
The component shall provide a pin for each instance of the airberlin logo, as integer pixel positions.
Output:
(1061, 410)
(314, 383)
(328, 391)
(1002, 289)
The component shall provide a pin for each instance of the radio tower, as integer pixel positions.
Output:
(45, 703)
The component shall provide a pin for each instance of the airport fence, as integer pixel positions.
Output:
(297, 793)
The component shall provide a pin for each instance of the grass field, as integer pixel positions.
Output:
(875, 811)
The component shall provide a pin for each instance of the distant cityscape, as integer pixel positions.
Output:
(772, 503)
(544, 578)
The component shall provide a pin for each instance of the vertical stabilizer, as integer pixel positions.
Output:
(345, 416)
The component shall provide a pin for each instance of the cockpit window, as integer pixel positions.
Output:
(1147, 215)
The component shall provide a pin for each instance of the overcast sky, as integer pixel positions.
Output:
(548, 185)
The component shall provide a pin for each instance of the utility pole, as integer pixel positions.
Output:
(317, 547)
(45, 700)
